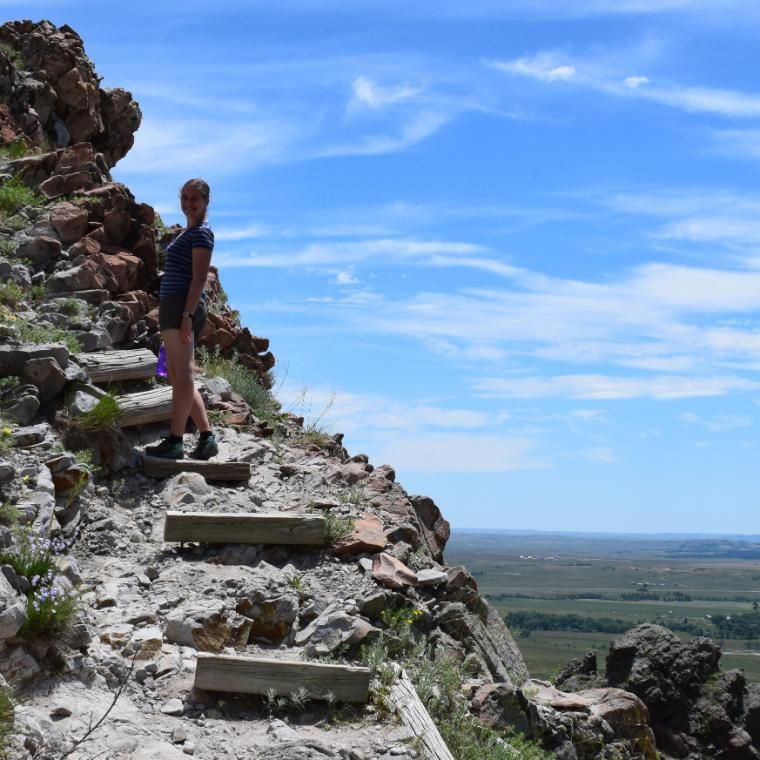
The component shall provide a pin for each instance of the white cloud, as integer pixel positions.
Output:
(609, 387)
(222, 234)
(634, 82)
(601, 75)
(416, 128)
(450, 453)
(346, 278)
(370, 95)
(545, 67)
(718, 424)
(378, 252)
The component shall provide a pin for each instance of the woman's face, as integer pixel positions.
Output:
(193, 205)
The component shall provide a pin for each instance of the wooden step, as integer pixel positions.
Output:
(115, 366)
(413, 714)
(154, 405)
(263, 528)
(253, 675)
(158, 467)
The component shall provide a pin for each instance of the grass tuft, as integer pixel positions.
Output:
(243, 381)
(7, 719)
(14, 194)
(336, 527)
(103, 415)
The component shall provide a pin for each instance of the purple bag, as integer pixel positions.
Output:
(161, 367)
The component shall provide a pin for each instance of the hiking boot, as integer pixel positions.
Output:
(206, 448)
(167, 449)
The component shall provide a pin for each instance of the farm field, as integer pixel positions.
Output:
(621, 580)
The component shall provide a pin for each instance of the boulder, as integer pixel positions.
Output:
(367, 536)
(208, 627)
(40, 250)
(392, 572)
(435, 530)
(46, 375)
(70, 221)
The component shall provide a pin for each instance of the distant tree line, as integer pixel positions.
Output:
(625, 596)
(745, 625)
(546, 621)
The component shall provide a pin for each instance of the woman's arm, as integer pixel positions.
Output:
(201, 263)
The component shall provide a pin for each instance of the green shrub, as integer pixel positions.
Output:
(49, 608)
(7, 719)
(69, 306)
(103, 415)
(10, 294)
(13, 55)
(14, 194)
(336, 527)
(8, 515)
(243, 381)
(31, 333)
(31, 556)
(14, 149)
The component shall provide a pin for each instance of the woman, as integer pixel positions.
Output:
(181, 317)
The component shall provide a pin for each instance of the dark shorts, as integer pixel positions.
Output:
(170, 310)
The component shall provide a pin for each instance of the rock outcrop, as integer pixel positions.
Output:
(84, 263)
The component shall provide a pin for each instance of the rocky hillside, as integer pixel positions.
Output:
(104, 617)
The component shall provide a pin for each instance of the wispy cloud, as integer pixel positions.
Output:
(605, 77)
(610, 387)
(719, 424)
(369, 94)
(378, 252)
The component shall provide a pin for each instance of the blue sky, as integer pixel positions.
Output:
(511, 248)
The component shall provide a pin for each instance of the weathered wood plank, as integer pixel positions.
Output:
(157, 467)
(414, 716)
(115, 366)
(252, 675)
(152, 405)
(264, 528)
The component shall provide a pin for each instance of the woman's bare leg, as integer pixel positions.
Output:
(186, 400)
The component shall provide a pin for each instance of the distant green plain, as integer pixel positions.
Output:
(534, 573)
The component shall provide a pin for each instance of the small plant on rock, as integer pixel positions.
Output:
(10, 294)
(7, 718)
(336, 527)
(32, 556)
(14, 149)
(299, 698)
(243, 381)
(31, 333)
(6, 438)
(103, 415)
(14, 194)
(8, 515)
(50, 608)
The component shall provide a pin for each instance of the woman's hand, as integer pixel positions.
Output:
(186, 330)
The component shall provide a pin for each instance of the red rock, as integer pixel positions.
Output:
(71, 89)
(69, 221)
(87, 246)
(237, 418)
(116, 223)
(367, 536)
(392, 572)
(8, 127)
(123, 267)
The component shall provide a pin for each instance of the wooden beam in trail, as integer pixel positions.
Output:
(153, 405)
(264, 528)
(413, 714)
(158, 467)
(252, 675)
(115, 366)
